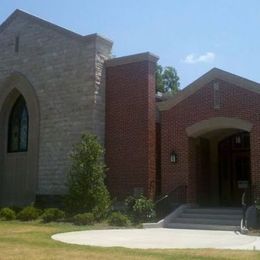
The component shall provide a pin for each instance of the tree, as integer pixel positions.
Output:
(159, 79)
(167, 80)
(86, 188)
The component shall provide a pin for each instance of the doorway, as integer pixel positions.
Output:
(222, 167)
(234, 168)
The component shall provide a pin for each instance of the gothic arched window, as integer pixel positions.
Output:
(18, 127)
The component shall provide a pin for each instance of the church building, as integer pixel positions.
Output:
(201, 145)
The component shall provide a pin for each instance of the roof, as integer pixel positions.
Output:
(148, 56)
(65, 32)
(211, 75)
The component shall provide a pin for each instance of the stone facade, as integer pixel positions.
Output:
(65, 70)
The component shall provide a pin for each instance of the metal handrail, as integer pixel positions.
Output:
(169, 201)
(245, 204)
(170, 194)
(244, 208)
(161, 199)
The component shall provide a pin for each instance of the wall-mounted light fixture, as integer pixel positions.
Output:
(238, 139)
(173, 157)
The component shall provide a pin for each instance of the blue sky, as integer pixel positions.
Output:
(191, 35)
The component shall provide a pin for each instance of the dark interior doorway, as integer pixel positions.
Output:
(234, 168)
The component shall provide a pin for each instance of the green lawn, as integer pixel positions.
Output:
(33, 241)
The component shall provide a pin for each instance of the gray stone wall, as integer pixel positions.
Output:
(102, 54)
(67, 75)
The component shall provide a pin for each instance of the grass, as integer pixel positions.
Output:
(32, 240)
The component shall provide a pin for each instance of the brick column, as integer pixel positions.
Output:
(192, 189)
(255, 159)
(130, 138)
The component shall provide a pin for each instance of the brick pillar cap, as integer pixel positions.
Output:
(145, 56)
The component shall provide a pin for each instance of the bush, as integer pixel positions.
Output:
(118, 219)
(140, 209)
(16, 209)
(86, 189)
(84, 219)
(52, 214)
(7, 214)
(28, 213)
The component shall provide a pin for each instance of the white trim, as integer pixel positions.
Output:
(215, 123)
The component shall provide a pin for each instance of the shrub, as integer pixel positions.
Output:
(52, 214)
(16, 209)
(86, 189)
(144, 209)
(140, 209)
(7, 214)
(28, 213)
(84, 219)
(129, 203)
(118, 219)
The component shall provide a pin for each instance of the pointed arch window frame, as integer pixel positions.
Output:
(16, 113)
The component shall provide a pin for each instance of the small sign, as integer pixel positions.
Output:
(242, 184)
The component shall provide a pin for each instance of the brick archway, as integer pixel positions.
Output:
(216, 123)
(202, 136)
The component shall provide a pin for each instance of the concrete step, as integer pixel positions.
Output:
(211, 216)
(207, 221)
(208, 218)
(212, 211)
(203, 226)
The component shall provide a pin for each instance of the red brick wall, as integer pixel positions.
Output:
(235, 102)
(158, 160)
(130, 128)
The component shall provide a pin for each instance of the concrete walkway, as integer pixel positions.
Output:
(161, 238)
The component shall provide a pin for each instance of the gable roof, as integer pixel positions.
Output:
(211, 75)
(65, 32)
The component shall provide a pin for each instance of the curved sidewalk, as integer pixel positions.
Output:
(161, 238)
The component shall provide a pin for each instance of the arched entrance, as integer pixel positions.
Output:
(19, 141)
(220, 161)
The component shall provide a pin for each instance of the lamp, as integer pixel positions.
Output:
(173, 157)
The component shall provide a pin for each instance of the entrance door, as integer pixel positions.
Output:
(241, 174)
(234, 168)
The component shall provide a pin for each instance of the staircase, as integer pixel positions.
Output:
(207, 218)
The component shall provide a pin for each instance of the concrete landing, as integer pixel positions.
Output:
(161, 238)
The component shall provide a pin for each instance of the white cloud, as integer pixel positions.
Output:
(204, 58)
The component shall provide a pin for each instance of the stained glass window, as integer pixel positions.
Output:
(18, 127)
